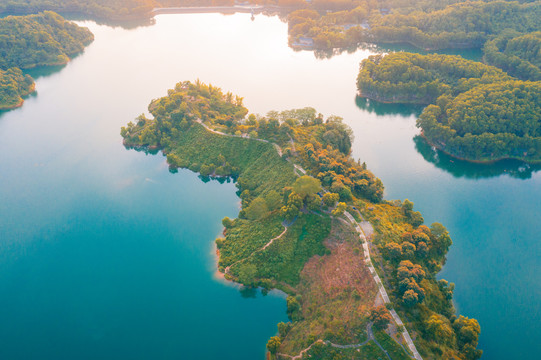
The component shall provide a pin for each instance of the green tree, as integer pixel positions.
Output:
(284, 328)
(227, 223)
(273, 200)
(306, 185)
(257, 209)
(293, 308)
(247, 273)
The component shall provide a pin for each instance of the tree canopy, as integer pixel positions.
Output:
(42, 39)
(517, 54)
(13, 86)
(463, 25)
(34, 40)
(421, 79)
(476, 111)
(488, 122)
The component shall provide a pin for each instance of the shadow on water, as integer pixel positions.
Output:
(74, 16)
(43, 71)
(470, 54)
(248, 292)
(124, 24)
(174, 170)
(379, 108)
(460, 168)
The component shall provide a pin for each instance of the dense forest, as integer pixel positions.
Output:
(427, 24)
(462, 25)
(478, 112)
(517, 54)
(488, 122)
(34, 40)
(42, 39)
(102, 9)
(342, 24)
(107, 9)
(288, 234)
(421, 79)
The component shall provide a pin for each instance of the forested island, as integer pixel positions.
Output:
(296, 180)
(477, 112)
(35, 40)
(422, 79)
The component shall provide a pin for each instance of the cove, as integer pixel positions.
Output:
(105, 254)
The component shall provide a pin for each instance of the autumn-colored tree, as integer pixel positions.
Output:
(330, 199)
(274, 344)
(467, 331)
(439, 329)
(340, 209)
(380, 317)
(407, 269)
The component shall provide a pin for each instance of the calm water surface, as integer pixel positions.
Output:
(105, 254)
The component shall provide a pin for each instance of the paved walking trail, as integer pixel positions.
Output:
(381, 288)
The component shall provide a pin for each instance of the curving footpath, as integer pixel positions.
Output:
(370, 337)
(226, 270)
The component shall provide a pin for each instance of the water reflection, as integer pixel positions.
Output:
(382, 109)
(470, 54)
(44, 71)
(459, 168)
(124, 24)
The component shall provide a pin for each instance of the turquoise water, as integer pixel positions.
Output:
(105, 254)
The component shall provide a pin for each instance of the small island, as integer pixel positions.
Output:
(314, 224)
(476, 112)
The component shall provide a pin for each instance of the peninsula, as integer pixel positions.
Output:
(29, 41)
(476, 112)
(314, 224)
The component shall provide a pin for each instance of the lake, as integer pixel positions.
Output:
(106, 254)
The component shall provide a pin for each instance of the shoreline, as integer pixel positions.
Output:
(18, 105)
(211, 9)
(483, 162)
(21, 102)
(361, 94)
(428, 49)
